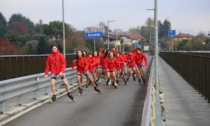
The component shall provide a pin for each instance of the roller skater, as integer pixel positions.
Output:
(59, 69)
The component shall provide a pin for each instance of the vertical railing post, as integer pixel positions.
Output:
(19, 100)
(2, 108)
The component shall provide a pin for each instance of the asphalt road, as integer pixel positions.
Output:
(115, 107)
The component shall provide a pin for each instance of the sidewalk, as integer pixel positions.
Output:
(184, 106)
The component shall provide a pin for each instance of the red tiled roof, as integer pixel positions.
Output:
(133, 36)
(183, 35)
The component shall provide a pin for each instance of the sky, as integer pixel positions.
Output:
(187, 16)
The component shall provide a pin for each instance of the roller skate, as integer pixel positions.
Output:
(115, 85)
(109, 83)
(127, 79)
(125, 82)
(99, 80)
(97, 90)
(96, 83)
(144, 80)
(134, 76)
(71, 97)
(139, 81)
(117, 81)
(53, 99)
(86, 86)
(80, 91)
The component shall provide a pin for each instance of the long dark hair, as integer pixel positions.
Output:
(106, 54)
(77, 57)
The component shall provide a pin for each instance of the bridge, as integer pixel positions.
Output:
(182, 98)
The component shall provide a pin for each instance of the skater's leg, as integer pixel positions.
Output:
(98, 72)
(108, 78)
(79, 80)
(91, 81)
(142, 71)
(137, 72)
(65, 82)
(68, 89)
(113, 74)
(143, 75)
(128, 73)
(53, 86)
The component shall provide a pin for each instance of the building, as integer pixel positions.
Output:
(118, 40)
(182, 36)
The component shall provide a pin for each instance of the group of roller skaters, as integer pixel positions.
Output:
(95, 66)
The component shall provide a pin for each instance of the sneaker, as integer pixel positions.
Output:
(97, 90)
(71, 97)
(53, 99)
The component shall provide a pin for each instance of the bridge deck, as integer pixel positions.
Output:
(116, 107)
(184, 106)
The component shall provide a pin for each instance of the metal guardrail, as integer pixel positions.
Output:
(22, 65)
(194, 67)
(151, 113)
(20, 86)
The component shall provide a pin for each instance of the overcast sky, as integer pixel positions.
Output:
(189, 16)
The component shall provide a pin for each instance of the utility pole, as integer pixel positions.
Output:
(156, 44)
(64, 42)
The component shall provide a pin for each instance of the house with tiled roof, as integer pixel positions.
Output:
(116, 39)
(181, 36)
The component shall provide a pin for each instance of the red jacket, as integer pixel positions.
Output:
(139, 58)
(91, 63)
(55, 63)
(102, 59)
(134, 51)
(122, 61)
(110, 64)
(119, 59)
(114, 51)
(81, 63)
(97, 61)
(130, 59)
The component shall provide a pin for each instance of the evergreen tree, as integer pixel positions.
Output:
(3, 25)
(19, 18)
(43, 46)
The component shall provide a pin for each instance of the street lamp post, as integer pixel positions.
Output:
(156, 44)
(108, 31)
(156, 41)
(64, 42)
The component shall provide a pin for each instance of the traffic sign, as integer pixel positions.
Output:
(171, 33)
(94, 35)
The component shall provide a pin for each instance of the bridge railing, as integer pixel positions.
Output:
(194, 67)
(13, 66)
(152, 109)
(17, 88)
